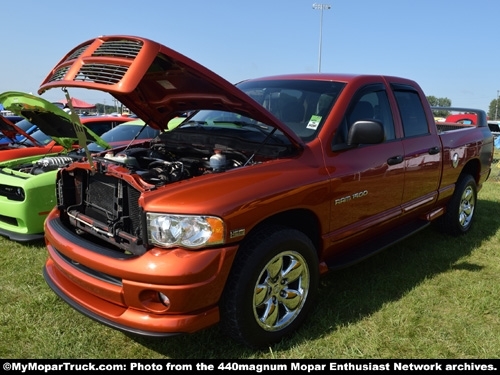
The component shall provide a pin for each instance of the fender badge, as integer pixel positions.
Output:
(454, 160)
(237, 233)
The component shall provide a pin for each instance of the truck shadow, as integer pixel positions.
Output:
(352, 294)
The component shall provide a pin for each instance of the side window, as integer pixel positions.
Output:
(412, 113)
(383, 113)
(372, 104)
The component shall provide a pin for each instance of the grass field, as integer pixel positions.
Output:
(431, 296)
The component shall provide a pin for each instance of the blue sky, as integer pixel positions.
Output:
(450, 47)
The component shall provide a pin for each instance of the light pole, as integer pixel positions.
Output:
(321, 7)
(496, 109)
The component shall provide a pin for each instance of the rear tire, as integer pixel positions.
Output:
(271, 287)
(460, 210)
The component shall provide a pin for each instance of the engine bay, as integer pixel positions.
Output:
(181, 155)
(173, 156)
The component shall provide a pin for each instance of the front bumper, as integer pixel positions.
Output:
(20, 237)
(23, 220)
(121, 291)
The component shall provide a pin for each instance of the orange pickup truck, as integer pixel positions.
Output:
(232, 216)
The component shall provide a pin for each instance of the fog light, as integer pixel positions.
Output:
(154, 301)
(164, 299)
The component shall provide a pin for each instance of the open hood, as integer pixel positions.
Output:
(11, 130)
(153, 81)
(50, 119)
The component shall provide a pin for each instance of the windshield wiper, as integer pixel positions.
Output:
(195, 122)
(263, 128)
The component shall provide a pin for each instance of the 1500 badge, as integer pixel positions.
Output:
(351, 197)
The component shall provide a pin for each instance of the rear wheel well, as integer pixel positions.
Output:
(471, 168)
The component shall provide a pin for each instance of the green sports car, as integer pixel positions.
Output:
(27, 185)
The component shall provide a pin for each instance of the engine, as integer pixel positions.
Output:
(46, 164)
(158, 166)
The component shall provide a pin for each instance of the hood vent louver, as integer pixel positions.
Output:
(118, 48)
(59, 74)
(92, 70)
(77, 53)
(101, 73)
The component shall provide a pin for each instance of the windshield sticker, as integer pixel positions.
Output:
(314, 122)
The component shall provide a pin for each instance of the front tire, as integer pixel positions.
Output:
(460, 210)
(271, 287)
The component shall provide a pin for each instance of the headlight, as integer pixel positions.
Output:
(14, 193)
(167, 230)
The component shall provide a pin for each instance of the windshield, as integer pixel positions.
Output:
(223, 118)
(302, 105)
(25, 125)
(233, 124)
(39, 136)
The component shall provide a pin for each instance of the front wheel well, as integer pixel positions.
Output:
(302, 220)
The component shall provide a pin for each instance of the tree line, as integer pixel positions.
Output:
(493, 111)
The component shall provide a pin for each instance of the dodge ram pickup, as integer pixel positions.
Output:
(232, 216)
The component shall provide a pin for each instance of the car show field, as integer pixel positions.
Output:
(412, 301)
(296, 187)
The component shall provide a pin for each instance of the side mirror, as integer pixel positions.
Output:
(365, 132)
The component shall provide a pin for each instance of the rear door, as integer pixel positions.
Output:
(422, 149)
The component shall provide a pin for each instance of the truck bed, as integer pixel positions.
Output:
(448, 126)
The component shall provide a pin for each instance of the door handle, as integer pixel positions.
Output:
(395, 160)
(434, 150)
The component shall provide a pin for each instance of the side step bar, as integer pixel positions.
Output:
(375, 245)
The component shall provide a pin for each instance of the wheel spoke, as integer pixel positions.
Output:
(294, 271)
(290, 299)
(270, 315)
(275, 267)
(468, 195)
(261, 294)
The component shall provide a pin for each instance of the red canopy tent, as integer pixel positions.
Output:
(78, 104)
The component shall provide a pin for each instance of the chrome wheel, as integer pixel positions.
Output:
(281, 291)
(466, 210)
(271, 287)
(460, 210)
